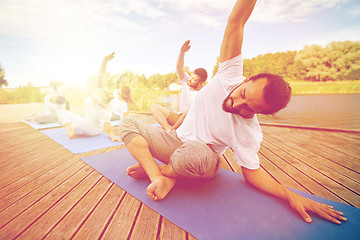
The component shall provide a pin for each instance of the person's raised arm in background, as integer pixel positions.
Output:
(102, 70)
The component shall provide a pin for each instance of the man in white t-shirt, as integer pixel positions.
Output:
(190, 86)
(223, 114)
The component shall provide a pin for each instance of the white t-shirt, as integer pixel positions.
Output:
(187, 95)
(96, 113)
(207, 122)
(52, 108)
(117, 106)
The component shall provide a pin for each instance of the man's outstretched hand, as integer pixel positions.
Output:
(302, 205)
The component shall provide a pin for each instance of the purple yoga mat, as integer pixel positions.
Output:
(42, 125)
(81, 144)
(226, 207)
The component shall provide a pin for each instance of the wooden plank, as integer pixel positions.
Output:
(325, 187)
(146, 225)
(338, 166)
(339, 141)
(330, 169)
(225, 164)
(16, 155)
(305, 141)
(21, 177)
(81, 199)
(40, 183)
(229, 156)
(95, 225)
(14, 207)
(170, 231)
(191, 237)
(120, 226)
(270, 164)
(23, 216)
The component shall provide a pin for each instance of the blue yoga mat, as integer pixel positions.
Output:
(43, 125)
(81, 144)
(226, 207)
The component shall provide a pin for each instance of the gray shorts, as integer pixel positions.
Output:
(189, 159)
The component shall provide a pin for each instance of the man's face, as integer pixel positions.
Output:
(53, 99)
(194, 81)
(247, 99)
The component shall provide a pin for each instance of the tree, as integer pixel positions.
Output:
(216, 67)
(2, 78)
(335, 61)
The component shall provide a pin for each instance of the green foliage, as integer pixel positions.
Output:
(216, 67)
(335, 61)
(24, 94)
(162, 81)
(2, 78)
(141, 91)
(277, 63)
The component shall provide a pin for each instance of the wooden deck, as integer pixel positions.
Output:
(48, 192)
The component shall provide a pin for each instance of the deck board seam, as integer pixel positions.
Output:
(316, 181)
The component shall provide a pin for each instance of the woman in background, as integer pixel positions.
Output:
(122, 97)
(97, 111)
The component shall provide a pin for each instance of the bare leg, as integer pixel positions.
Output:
(137, 172)
(70, 131)
(161, 114)
(160, 185)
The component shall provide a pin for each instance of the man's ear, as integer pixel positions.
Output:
(246, 79)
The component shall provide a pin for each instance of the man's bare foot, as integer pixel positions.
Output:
(160, 187)
(136, 171)
(71, 133)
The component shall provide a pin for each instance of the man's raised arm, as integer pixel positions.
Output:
(102, 70)
(234, 31)
(180, 60)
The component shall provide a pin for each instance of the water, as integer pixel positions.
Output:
(330, 110)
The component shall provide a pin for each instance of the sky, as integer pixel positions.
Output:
(65, 40)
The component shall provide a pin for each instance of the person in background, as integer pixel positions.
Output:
(97, 111)
(122, 100)
(54, 101)
(190, 86)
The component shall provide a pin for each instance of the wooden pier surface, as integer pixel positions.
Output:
(47, 192)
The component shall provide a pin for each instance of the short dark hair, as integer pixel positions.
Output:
(277, 92)
(59, 99)
(201, 73)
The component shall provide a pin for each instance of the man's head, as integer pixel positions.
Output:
(102, 97)
(197, 78)
(264, 93)
(58, 99)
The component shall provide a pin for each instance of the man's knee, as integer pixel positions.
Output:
(128, 129)
(155, 107)
(194, 159)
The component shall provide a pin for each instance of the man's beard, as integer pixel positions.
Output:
(228, 107)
